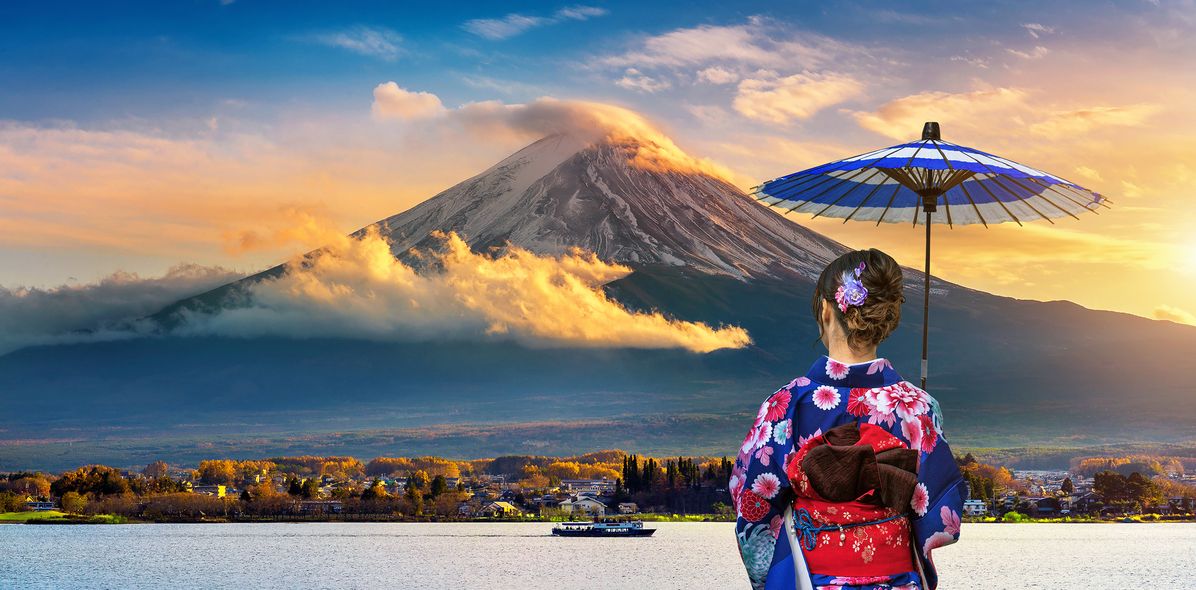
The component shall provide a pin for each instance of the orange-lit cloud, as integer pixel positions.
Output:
(647, 145)
(393, 102)
(1174, 314)
(355, 287)
(902, 118)
(1061, 123)
(783, 99)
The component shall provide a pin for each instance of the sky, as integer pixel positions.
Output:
(138, 137)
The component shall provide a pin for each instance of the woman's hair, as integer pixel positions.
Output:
(870, 323)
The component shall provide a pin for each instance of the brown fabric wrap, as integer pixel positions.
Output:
(843, 471)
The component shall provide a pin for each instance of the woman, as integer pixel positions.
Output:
(845, 481)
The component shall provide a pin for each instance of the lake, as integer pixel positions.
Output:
(524, 555)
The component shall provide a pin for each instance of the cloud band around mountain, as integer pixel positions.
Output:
(356, 288)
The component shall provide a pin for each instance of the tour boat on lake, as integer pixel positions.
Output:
(603, 528)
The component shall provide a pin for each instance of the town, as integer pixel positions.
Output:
(599, 484)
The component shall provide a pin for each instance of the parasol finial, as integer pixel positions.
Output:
(930, 130)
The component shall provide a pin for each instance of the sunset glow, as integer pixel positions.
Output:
(207, 134)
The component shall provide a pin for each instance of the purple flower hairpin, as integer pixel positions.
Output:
(852, 291)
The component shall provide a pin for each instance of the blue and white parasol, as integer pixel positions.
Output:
(929, 181)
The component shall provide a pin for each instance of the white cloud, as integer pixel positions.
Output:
(393, 102)
(781, 100)
(978, 62)
(717, 75)
(376, 42)
(756, 43)
(581, 12)
(633, 79)
(105, 310)
(515, 24)
(357, 288)
(1036, 30)
(1038, 52)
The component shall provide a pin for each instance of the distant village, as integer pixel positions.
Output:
(595, 485)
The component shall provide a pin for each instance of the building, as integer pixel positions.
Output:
(584, 505)
(628, 508)
(39, 506)
(975, 508)
(210, 490)
(596, 486)
(500, 509)
(321, 506)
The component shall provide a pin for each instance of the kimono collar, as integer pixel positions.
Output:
(875, 373)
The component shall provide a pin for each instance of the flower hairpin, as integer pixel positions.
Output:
(852, 291)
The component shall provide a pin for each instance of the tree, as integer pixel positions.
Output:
(416, 498)
(99, 480)
(294, 486)
(310, 489)
(1067, 487)
(73, 503)
(374, 492)
(439, 486)
(156, 469)
(1112, 486)
(418, 480)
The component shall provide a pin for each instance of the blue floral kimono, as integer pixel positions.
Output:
(829, 395)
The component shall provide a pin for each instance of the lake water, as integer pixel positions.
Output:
(524, 555)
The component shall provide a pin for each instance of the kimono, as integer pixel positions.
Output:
(893, 413)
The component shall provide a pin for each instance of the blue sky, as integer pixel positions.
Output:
(136, 135)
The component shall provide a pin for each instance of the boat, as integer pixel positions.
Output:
(602, 528)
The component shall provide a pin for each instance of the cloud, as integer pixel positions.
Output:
(393, 102)
(581, 12)
(717, 75)
(1174, 314)
(781, 100)
(902, 118)
(647, 145)
(756, 43)
(376, 42)
(633, 79)
(502, 28)
(105, 310)
(1086, 119)
(515, 24)
(1037, 29)
(357, 288)
(979, 62)
(1038, 52)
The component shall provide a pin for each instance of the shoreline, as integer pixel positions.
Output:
(110, 519)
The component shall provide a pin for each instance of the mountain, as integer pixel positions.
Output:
(561, 192)
(1007, 372)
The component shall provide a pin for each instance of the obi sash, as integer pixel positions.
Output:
(853, 488)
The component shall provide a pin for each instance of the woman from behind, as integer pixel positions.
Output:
(845, 481)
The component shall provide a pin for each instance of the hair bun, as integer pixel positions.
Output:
(879, 315)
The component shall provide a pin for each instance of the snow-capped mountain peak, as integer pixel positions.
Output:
(613, 198)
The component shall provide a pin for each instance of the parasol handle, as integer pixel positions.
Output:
(926, 297)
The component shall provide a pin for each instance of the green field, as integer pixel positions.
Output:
(30, 514)
(56, 517)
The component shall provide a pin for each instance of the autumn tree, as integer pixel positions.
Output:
(99, 480)
(156, 469)
(73, 503)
